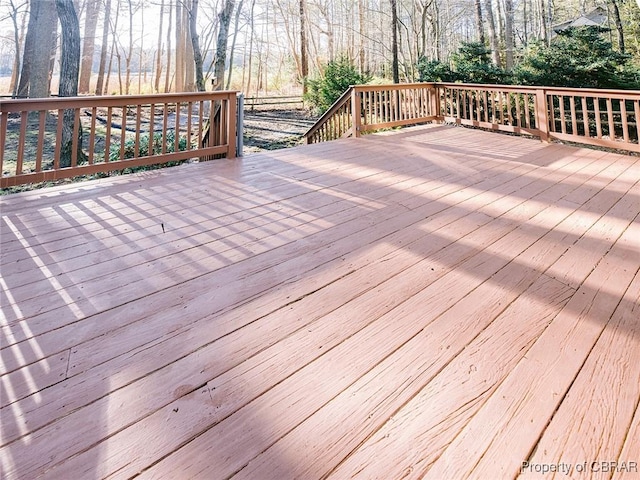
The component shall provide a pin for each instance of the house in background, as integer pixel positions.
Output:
(597, 17)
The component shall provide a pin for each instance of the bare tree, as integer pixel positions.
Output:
(69, 72)
(493, 37)
(618, 22)
(508, 33)
(158, 72)
(221, 45)
(478, 16)
(195, 41)
(103, 49)
(236, 28)
(304, 60)
(394, 45)
(39, 49)
(90, 24)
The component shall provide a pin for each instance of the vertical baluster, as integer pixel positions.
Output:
(176, 139)
(527, 113)
(92, 134)
(625, 126)
(574, 123)
(486, 106)
(636, 110)
(136, 146)
(165, 120)
(518, 114)
(123, 130)
(501, 108)
(585, 117)
(3, 136)
(56, 158)
(24, 117)
(200, 122)
(596, 108)
(612, 131)
(75, 140)
(190, 124)
(552, 112)
(42, 125)
(563, 123)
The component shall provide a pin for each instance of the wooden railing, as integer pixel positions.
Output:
(53, 138)
(336, 122)
(607, 118)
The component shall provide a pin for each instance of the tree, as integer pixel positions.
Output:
(304, 61)
(338, 76)
(394, 43)
(221, 45)
(103, 49)
(195, 41)
(508, 33)
(493, 37)
(478, 16)
(578, 57)
(90, 24)
(39, 50)
(69, 72)
(618, 22)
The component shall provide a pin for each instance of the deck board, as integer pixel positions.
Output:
(394, 306)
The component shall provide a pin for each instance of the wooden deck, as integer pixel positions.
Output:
(437, 303)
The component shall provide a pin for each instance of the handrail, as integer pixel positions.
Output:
(606, 118)
(52, 138)
(324, 119)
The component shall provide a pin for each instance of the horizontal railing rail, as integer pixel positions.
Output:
(606, 118)
(54, 138)
(274, 101)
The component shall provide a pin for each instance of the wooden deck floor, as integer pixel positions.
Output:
(437, 303)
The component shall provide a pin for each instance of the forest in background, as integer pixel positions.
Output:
(268, 46)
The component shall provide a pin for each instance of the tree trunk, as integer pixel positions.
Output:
(39, 47)
(304, 60)
(189, 62)
(543, 25)
(221, 44)
(251, 35)
(18, 35)
(493, 38)
(180, 48)
(156, 85)
(167, 77)
(508, 33)
(395, 68)
(361, 31)
(90, 24)
(233, 43)
(618, 22)
(195, 41)
(129, 53)
(103, 50)
(478, 15)
(69, 71)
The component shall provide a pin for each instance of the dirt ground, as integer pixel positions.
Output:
(275, 129)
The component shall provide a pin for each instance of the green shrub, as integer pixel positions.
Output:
(435, 71)
(470, 64)
(578, 57)
(338, 76)
(156, 147)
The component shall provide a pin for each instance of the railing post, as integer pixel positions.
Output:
(355, 112)
(240, 126)
(231, 124)
(438, 92)
(542, 117)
